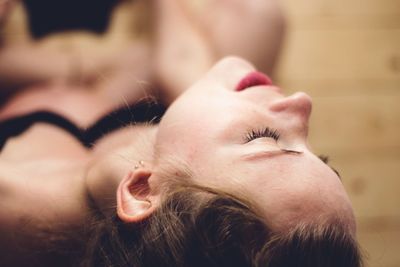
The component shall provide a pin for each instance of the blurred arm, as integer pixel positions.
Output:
(192, 35)
(182, 51)
(252, 29)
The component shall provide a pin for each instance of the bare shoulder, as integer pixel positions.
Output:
(42, 190)
(37, 198)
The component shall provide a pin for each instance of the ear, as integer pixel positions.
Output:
(134, 200)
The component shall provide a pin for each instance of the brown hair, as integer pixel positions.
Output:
(197, 226)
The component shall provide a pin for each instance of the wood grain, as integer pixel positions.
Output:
(342, 7)
(342, 54)
(346, 55)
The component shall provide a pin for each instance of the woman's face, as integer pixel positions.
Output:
(252, 142)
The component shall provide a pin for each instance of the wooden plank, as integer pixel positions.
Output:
(327, 7)
(381, 248)
(341, 54)
(355, 125)
(372, 182)
(351, 87)
(378, 224)
(345, 22)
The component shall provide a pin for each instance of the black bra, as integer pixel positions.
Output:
(141, 112)
(49, 16)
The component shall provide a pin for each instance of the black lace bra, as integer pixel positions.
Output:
(141, 112)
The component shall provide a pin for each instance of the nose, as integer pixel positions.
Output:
(298, 105)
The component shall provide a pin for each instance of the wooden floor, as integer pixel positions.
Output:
(346, 55)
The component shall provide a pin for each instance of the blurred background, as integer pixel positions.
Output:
(346, 55)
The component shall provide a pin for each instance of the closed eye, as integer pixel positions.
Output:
(260, 133)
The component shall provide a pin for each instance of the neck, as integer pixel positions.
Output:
(109, 168)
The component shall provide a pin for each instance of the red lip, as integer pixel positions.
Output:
(253, 79)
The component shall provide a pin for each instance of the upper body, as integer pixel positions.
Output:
(232, 131)
(48, 179)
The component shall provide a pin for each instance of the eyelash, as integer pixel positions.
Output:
(260, 133)
(325, 159)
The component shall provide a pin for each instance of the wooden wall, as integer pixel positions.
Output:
(346, 55)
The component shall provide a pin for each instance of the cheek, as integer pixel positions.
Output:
(183, 136)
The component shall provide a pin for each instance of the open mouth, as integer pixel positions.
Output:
(253, 79)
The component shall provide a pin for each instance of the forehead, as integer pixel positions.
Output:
(283, 187)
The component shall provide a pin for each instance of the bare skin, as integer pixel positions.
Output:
(46, 165)
(73, 58)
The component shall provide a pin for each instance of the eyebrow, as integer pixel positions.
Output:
(325, 159)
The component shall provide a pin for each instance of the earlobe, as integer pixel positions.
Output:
(134, 201)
